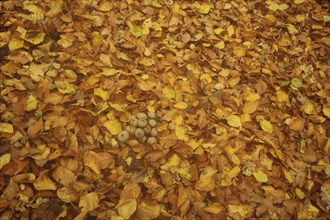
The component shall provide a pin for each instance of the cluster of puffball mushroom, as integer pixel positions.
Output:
(143, 127)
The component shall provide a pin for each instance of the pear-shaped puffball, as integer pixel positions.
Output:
(152, 122)
(147, 129)
(142, 123)
(134, 121)
(153, 132)
(139, 133)
(152, 115)
(142, 115)
(123, 136)
(130, 129)
(144, 139)
(152, 140)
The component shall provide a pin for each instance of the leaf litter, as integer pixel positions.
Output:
(237, 91)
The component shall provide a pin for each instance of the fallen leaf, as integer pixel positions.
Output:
(266, 126)
(43, 182)
(4, 159)
(31, 103)
(127, 209)
(260, 176)
(181, 105)
(234, 121)
(89, 202)
(113, 126)
(206, 181)
(6, 128)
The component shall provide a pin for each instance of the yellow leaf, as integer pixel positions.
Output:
(180, 133)
(239, 51)
(292, 29)
(228, 175)
(89, 202)
(282, 96)
(117, 107)
(70, 74)
(36, 12)
(219, 113)
(317, 27)
(105, 59)
(266, 71)
(241, 210)
(181, 105)
(4, 38)
(109, 72)
(214, 208)
(266, 126)
(37, 73)
(4, 159)
(149, 211)
(135, 30)
(299, 193)
(300, 18)
(204, 9)
(260, 176)
(308, 108)
(69, 88)
(15, 43)
(31, 103)
(168, 93)
(105, 6)
(287, 175)
(250, 107)
(299, 1)
(6, 128)
(44, 183)
(206, 181)
(113, 126)
(220, 45)
(193, 144)
(91, 160)
(218, 30)
(230, 31)
(248, 44)
(308, 211)
(275, 6)
(252, 97)
(234, 121)
(127, 209)
(205, 77)
(173, 161)
(37, 39)
(224, 72)
(101, 93)
(326, 111)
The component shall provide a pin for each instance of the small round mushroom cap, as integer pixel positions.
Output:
(134, 121)
(152, 122)
(144, 139)
(153, 132)
(142, 115)
(130, 129)
(147, 129)
(152, 140)
(152, 115)
(123, 136)
(142, 123)
(139, 133)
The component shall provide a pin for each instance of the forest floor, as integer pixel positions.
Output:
(163, 109)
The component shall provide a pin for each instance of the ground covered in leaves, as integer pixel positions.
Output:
(234, 97)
